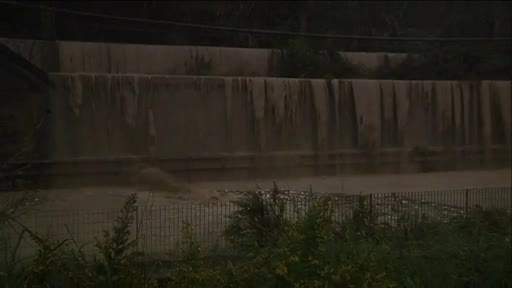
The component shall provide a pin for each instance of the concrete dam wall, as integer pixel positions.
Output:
(119, 101)
(169, 116)
(78, 57)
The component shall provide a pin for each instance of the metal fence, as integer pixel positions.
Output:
(159, 230)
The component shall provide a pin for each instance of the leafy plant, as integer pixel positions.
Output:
(308, 250)
(451, 63)
(12, 273)
(299, 59)
(193, 270)
(258, 222)
(115, 267)
(61, 263)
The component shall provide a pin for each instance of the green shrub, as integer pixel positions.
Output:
(465, 252)
(302, 254)
(115, 266)
(471, 250)
(414, 251)
(63, 264)
(451, 63)
(259, 222)
(299, 59)
(193, 270)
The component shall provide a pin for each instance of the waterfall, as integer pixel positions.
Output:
(222, 114)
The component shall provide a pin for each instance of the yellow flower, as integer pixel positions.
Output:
(281, 270)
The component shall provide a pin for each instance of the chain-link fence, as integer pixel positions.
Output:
(159, 230)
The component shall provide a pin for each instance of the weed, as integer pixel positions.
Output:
(413, 250)
(258, 222)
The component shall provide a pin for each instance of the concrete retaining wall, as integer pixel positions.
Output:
(73, 57)
(167, 116)
(118, 100)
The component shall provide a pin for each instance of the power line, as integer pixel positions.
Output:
(253, 31)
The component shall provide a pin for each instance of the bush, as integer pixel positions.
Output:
(115, 266)
(468, 251)
(301, 254)
(258, 223)
(454, 63)
(299, 59)
(193, 270)
(63, 264)
(471, 250)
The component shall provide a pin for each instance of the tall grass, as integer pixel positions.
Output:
(273, 250)
(63, 263)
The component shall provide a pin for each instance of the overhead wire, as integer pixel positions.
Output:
(253, 31)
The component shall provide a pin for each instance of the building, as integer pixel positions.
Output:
(24, 96)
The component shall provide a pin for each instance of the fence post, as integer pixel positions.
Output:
(510, 211)
(137, 225)
(466, 202)
(371, 207)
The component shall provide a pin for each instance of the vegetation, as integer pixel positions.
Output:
(300, 59)
(63, 264)
(310, 250)
(396, 18)
(456, 63)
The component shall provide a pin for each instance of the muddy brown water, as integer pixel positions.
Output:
(85, 212)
